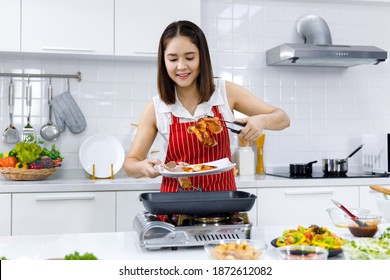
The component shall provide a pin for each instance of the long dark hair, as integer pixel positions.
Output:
(205, 82)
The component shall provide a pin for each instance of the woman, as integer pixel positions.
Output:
(187, 92)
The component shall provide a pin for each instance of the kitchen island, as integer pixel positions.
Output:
(70, 202)
(125, 246)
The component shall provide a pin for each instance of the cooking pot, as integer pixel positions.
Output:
(338, 166)
(301, 169)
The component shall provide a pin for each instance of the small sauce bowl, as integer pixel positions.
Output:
(372, 222)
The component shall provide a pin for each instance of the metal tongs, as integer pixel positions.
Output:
(234, 130)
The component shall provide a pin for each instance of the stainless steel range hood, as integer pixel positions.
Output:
(318, 50)
(324, 55)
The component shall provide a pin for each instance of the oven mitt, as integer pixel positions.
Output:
(66, 112)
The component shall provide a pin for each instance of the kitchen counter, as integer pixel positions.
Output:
(74, 181)
(123, 245)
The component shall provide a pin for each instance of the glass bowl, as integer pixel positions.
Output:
(340, 219)
(301, 252)
(241, 249)
(370, 230)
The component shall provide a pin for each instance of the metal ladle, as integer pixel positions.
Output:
(50, 131)
(11, 134)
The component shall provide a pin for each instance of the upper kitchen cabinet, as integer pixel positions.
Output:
(68, 26)
(10, 25)
(139, 24)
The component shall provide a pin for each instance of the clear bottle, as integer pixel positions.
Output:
(246, 161)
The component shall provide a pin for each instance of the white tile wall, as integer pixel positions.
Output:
(329, 107)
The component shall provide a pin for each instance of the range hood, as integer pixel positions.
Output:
(318, 50)
(324, 55)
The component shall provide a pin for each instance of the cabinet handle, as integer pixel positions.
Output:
(309, 192)
(153, 53)
(47, 48)
(62, 198)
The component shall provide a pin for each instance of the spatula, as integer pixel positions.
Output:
(353, 217)
(28, 130)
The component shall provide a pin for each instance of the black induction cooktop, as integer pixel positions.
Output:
(321, 175)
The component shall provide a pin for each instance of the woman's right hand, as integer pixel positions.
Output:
(147, 167)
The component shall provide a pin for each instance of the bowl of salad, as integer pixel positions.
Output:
(368, 248)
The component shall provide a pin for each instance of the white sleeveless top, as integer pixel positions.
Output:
(164, 111)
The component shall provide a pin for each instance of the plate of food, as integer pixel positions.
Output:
(186, 170)
(311, 236)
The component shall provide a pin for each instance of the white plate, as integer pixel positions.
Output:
(222, 166)
(101, 150)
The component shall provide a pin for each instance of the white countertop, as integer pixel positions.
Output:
(123, 246)
(76, 181)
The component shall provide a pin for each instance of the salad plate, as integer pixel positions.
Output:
(218, 166)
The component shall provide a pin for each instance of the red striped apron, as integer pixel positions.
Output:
(185, 147)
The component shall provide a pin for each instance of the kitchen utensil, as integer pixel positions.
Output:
(353, 217)
(205, 203)
(236, 125)
(380, 189)
(260, 154)
(337, 166)
(28, 130)
(50, 131)
(301, 169)
(11, 134)
(354, 152)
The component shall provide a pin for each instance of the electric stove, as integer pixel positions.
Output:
(321, 175)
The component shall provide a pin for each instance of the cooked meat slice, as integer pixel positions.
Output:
(204, 128)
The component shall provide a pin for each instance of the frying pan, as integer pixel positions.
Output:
(199, 203)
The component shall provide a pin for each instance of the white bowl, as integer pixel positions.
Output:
(384, 208)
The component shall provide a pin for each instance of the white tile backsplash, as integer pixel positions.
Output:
(329, 107)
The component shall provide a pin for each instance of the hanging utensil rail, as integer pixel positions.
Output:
(27, 75)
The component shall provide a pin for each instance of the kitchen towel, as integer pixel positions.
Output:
(67, 113)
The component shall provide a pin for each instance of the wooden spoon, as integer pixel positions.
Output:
(380, 189)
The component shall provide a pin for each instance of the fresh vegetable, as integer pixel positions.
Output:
(35, 165)
(313, 235)
(3, 258)
(369, 248)
(53, 153)
(76, 256)
(28, 152)
(8, 161)
(21, 165)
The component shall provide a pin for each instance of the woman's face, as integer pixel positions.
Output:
(181, 58)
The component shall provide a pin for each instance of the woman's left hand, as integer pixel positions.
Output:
(253, 128)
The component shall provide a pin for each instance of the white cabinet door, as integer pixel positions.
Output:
(68, 26)
(5, 214)
(301, 206)
(56, 213)
(128, 206)
(139, 24)
(10, 25)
